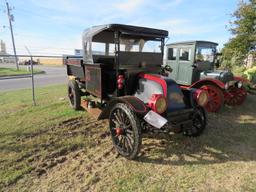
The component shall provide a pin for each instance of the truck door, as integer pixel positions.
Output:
(185, 65)
(172, 61)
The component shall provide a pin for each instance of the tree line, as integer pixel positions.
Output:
(242, 44)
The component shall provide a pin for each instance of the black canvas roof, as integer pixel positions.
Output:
(124, 29)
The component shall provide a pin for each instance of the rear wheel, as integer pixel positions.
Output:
(74, 95)
(125, 130)
(236, 96)
(216, 98)
(198, 124)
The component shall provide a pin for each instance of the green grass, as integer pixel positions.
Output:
(13, 71)
(25, 129)
(50, 147)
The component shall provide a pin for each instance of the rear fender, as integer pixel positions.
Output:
(136, 105)
(202, 82)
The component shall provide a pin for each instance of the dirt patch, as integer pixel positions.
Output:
(82, 169)
(70, 123)
(52, 147)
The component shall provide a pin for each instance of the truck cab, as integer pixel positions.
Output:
(114, 53)
(189, 59)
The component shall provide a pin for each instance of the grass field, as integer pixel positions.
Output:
(50, 147)
(4, 71)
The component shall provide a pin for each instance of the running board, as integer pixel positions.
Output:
(95, 112)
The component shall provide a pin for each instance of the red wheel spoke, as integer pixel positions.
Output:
(238, 96)
(215, 98)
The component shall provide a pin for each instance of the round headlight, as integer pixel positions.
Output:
(161, 105)
(158, 103)
(201, 97)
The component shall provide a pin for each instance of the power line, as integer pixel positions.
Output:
(40, 56)
(38, 36)
(29, 13)
(45, 48)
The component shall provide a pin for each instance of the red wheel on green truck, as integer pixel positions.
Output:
(216, 98)
(235, 96)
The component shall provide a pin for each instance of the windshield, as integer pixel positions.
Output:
(140, 45)
(126, 45)
(205, 54)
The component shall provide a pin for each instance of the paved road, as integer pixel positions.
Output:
(53, 76)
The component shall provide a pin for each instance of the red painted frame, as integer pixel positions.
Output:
(215, 81)
(156, 79)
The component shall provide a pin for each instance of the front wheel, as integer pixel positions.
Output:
(125, 130)
(216, 98)
(199, 122)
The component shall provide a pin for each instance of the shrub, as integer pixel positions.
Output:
(251, 74)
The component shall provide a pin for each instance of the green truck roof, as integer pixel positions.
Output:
(191, 42)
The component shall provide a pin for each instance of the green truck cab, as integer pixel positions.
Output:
(195, 64)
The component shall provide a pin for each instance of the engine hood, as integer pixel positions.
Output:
(150, 84)
(223, 76)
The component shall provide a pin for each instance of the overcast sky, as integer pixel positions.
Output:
(55, 26)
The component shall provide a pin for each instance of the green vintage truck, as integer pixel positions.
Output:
(194, 64)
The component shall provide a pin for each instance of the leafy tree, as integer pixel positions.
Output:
(243, 30)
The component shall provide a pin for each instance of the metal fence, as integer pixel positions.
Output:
(29, 61)
(37, 59)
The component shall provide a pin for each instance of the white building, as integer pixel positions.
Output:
(3, 52)
(78, 52)
(2, 48)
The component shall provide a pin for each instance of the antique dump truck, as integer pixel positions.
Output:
(193, 65)
(120, 78)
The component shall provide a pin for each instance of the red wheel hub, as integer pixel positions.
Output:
(215, 98)
(235, 96)
(119, 131)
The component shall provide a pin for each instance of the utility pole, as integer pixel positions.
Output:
(11, 19)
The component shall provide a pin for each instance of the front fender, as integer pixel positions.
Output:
(244, 80)
(202, 82)
(133, 102)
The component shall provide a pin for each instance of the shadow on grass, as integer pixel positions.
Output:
(229, 136)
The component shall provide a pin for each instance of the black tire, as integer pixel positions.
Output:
(199, 123)
(74, 95)
(125, 130)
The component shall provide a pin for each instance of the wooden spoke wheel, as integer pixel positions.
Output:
(198, 124)
(216, 98)
(125, 130)
(235, 96)
(74, 94)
